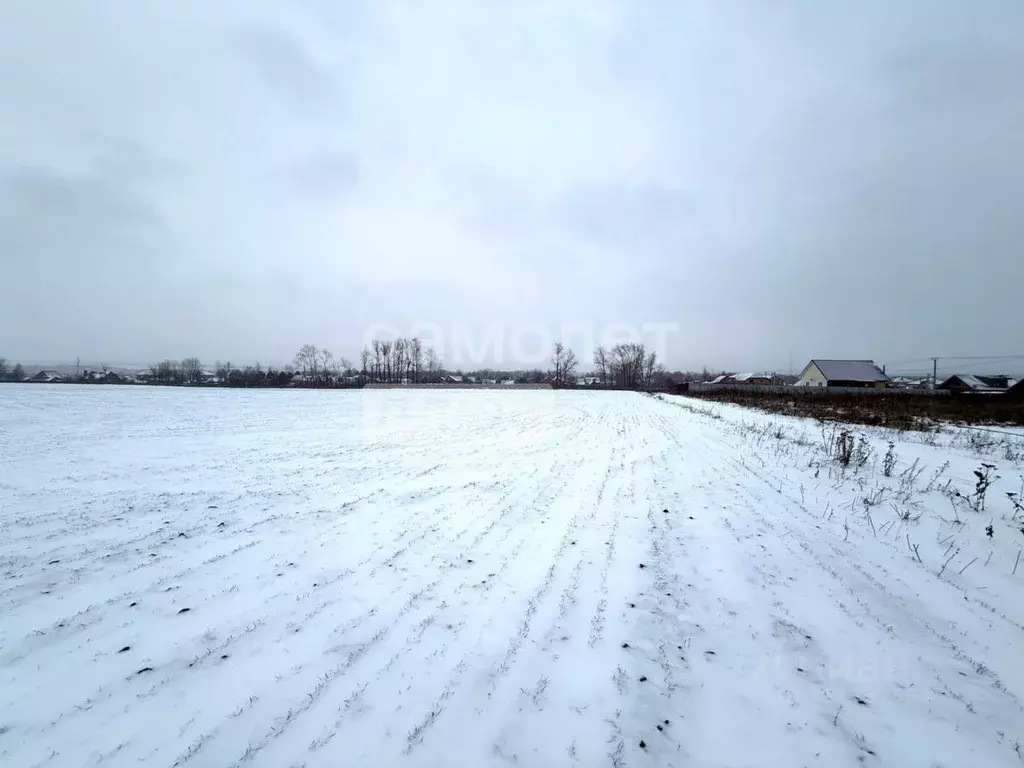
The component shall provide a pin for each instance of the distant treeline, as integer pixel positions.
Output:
(8, 373)
(392, 361)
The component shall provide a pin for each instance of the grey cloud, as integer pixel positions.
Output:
(70, 239)
(287, 66)
(814, 179)
(41, 204)
(322, 174)
(78, 252)
(605, 213)
(634, 214)
(953, 80)
(128, 162)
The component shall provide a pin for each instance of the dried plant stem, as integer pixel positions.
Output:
(943, 568)
(913, 549)
(966, 566)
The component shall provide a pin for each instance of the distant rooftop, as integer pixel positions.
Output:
(850, 370)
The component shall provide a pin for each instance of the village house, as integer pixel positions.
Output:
(912, 382)
(752, 378)
(101, 377)
(45, 377)
(843, 373)
(975, 383)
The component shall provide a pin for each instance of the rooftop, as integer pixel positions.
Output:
(850, 370)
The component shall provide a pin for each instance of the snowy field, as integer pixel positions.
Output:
(421, 578)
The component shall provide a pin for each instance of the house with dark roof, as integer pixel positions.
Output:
(975, 383)
(843, 373)
(101, 377)
(1016, 392)
(752, 378)
(912, 382)
(45, 377)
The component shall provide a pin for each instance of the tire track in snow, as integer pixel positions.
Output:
(417, 731)
(501, 669)
(386, 630)
(282, 620)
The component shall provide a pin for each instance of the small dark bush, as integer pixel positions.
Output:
(889, 462)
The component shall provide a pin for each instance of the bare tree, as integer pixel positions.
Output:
(3, 368)
(306, 360)
(385, 354)
(398, 360)
(601, 363)
(650, 367)
(191, 370)
(325, 358)
(17, 373)
(433, 362)
(416, 358)
(378, 361)
(564, 361)
(165, 372)
(569, 365)
(556, 361)
(364, 359)
(628, 365)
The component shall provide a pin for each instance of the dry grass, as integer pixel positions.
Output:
(896, 410)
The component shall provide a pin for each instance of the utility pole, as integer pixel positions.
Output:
(935, 371)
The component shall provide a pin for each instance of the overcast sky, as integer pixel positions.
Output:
(233, 179)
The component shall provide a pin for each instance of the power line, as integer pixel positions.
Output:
(915, 360)
(989, 358)
(984, 357)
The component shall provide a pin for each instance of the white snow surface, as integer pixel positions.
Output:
(495, 578)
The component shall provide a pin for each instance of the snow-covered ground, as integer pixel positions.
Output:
(387, 578)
